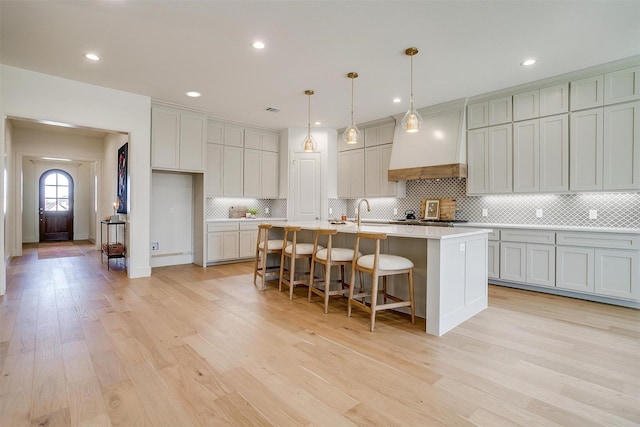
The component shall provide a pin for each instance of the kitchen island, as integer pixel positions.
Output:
(450, 270)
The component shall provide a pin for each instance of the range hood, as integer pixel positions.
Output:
(438, 150)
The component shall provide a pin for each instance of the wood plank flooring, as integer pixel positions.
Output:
(80, 346)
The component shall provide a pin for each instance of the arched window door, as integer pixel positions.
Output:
(56, 206)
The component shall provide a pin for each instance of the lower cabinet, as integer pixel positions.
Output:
(231, 241)
(493, 259)
(248, 238)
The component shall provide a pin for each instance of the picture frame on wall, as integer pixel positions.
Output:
(123, 178)
(432, 209)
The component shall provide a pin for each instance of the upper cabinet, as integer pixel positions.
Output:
(587, 93)
(178, 139)
(494, 112)
(259, 140)
(490, 160)
(541, 102)
(621, 86)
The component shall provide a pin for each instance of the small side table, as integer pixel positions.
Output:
(109, 248)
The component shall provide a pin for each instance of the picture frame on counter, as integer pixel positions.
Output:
(432, 209)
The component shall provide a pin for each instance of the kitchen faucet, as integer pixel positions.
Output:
(359, 205)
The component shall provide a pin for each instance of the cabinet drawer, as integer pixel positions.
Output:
(599, 240)
(494, 235)
(249, 225)
(230, 226)
(528, 236)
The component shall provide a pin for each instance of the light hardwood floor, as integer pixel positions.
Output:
(190, 346)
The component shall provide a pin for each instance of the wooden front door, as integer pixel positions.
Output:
(56, 206)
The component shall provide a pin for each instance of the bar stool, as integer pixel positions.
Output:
(329, 257)
(264, 247)
(379, 265)
(294, 251)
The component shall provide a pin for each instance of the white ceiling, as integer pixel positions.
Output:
(165, 48)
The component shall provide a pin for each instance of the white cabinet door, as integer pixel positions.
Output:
(248, 240)
(386, 133)
(586, 146)
(541, 264)
(526, 105)
(215, 246)
(270, 141)
(214, 169)
(356, 173)
(344, 161)
(554, 153)
(513, 261)
(500, 159)
(193, 137)
(575, 268)
(526, 156)
(478, 115)
(230, 245)
(232, 183)
(165, 138)
(554, 100)
(372, 172)
(622, 86)
(617, 273)
(233, 136)
(478, 161)
(215, 132)
(500, 110)
(493, 259)
(372, 136)
(269, 175)
(622, 147)
(252, 173)
(252, 139)
(587, 93)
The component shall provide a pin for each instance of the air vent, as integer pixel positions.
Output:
(273, 110)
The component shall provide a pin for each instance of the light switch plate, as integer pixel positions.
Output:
(485, 212)
(539, 213)
(593, 214)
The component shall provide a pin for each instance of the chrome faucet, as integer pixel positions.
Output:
(359, 206)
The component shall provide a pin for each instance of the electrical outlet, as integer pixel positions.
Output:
(593, 214)
(539, 213)
(330, 211)
(395, 211)
(267, 210)
(485, 212)
(355, 211)
(155, 246)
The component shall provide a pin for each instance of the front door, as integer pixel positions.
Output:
(56, 206)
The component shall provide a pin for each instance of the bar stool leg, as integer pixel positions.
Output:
(374, 299)
(413, 307)
(327, 281)
(282, 260)
(292, 275)
(311, 278)
(352, 282)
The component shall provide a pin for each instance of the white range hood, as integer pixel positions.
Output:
(438, 150)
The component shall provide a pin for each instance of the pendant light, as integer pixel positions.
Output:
(309, 144)
(351, 134)
(412, 121)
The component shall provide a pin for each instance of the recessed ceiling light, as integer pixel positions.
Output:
(258, 45)
(92, 56)
(528, 62)
(194, 94)
(396, 100)
(318, 123)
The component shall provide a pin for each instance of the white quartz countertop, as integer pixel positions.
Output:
(551, 227)
(257, 219)
(392, 230)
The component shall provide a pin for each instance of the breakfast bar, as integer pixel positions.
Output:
(450, 266)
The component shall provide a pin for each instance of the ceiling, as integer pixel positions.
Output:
(163, 49)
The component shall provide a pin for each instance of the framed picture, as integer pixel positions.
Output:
(123, 183)
(432, 209)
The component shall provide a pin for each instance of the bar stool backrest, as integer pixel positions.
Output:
(369, 236)
(329, 232)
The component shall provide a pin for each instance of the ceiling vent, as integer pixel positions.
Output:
(273, 110)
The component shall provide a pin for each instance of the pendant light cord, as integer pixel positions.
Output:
(352, 123)
(309, 118)
(411, 100)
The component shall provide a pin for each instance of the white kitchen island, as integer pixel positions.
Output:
(450, 271)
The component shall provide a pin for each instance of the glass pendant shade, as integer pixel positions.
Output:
(351, 135)
(412, 121)
(309, 144)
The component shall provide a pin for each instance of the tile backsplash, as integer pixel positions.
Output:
(616, 210)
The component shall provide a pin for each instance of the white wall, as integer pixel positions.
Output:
(36, 96)
(173, 218)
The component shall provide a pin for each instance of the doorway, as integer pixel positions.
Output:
(306, 187)
(56, 206)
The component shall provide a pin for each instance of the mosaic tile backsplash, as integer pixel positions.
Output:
(615, 210)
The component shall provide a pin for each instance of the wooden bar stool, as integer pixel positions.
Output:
(264, 247)
(379, 265)
(329, 257)
(294, 251)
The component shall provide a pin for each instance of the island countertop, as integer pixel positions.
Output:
(392, 230)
